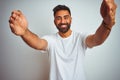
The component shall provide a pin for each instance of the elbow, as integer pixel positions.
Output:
(95, 43)
(99, 42)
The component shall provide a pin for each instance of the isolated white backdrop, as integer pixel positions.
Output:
(20, 62)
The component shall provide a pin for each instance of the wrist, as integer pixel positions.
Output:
(107, 26)
(25, 32)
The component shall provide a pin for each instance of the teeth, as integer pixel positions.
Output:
(63, 26)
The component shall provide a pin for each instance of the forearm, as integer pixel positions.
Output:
(31, 39)
(100, 35)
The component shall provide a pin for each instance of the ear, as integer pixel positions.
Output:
(54, 22)
(71, 19)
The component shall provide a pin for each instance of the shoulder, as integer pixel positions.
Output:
(50, 37)
(80, 34)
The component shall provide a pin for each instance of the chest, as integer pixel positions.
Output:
(67, 47)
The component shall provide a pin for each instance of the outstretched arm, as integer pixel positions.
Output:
(19, 26)
(108, 11)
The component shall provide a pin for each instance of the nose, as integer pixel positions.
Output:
(63, 20)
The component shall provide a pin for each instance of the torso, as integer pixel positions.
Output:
(66, 56)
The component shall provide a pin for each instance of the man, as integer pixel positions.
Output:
(66, 48)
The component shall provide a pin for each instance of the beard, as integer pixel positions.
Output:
(63, 29)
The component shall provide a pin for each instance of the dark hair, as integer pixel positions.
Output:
(61, 7)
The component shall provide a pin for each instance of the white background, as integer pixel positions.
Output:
(20, 62)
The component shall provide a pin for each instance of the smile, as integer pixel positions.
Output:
(63, 26)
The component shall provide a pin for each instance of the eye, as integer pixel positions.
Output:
(66, 17)
(58, 18)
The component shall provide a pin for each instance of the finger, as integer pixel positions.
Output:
(11, 20)
(106, 3)
(16, 13)
(111, 4)
(19, 11)
(104, 8)
(112, 8)
(12, 28)
(16, 16)
(11, 25)
(112, 14)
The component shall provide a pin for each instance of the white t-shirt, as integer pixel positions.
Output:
(66, 56)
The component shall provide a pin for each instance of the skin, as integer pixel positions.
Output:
(63, 17)
(19, 26)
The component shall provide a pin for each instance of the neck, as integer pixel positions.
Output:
(65, 35)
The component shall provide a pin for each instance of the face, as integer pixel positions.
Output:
(62, 20)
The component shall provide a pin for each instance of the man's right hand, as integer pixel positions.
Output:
(18, 23)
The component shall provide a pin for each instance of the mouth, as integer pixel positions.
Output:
(63, 26)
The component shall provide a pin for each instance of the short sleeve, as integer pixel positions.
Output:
(46, 38)
(83, 37)
(50, 41)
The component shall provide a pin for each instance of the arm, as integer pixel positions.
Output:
(18, 25)
(108, 10)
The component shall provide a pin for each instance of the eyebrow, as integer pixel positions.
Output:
(63, 16)
(66, 16)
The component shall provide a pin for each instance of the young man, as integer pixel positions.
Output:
(66, 48)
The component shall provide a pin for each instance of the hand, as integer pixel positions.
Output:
(108, 11)
(18, 23)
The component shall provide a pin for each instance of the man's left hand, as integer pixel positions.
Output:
(108, 11)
